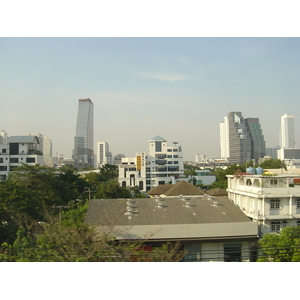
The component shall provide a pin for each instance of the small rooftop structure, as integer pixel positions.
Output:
(180, 188)
(217, 192)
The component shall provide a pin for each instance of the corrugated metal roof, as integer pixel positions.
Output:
(146, 211)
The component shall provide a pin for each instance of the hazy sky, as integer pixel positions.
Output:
(178, 88)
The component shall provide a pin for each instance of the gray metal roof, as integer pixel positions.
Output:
(23, 139)
(146, 211)
(158, 138)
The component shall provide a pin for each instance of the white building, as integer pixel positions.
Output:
(287, 133)
(224, 138)
(273, 201)
(200, 158)
(285, 153)
(104, 156)
(40, 138)
(156, 168)
(47, 152)
(18, 150)
(132, 171)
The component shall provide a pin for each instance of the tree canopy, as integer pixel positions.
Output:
(283, 247)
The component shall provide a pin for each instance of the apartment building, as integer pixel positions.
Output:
(273, 201)
(16, 150)
(156, 168)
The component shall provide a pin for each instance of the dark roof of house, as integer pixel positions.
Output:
(180, 188)
(217, 192)
(183, 188)
(160, 189)
(154, 211)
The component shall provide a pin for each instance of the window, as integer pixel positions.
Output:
(298, 203)
(175, 156)
(176, 163)
(1, 160)
(3, 168)
(275, 204)
(169, 156)
(14, 160)
(3, 150)
(273, 181)
(30, 160)
(275, 226)
(170, 162)
(248, 182)
(175, 150)
(232, 252)
(284, 224)
(298, 223)
(141, 185)
(157, 146)
(169, 150)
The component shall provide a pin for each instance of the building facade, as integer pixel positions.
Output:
(273, 201)
(287, 133)
(258, 145)
(83, 153)
(16, 150)
(155, 168)
(104, 156)
(241, 139)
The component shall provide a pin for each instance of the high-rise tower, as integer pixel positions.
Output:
(241, 139)
(287, 133)
(258, 142)
(224, 138)
(84, 140)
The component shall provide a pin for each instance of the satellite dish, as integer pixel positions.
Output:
(175, 143)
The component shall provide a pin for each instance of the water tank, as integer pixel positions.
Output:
(259, 170)
(250, 170)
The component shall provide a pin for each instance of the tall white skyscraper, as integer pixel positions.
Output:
(224, 138)
(287, 133)
(84, 139)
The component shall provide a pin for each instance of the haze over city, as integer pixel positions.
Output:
(177, 88)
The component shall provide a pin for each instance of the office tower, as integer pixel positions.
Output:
(224, 138)
(83, 153)
(104, 156)
(287, 134)
(239, 139)
(258, 147)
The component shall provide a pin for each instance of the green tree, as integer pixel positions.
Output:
(271, 164)
(111, 189)
(108, 172)
(74, 241)
(283, 247)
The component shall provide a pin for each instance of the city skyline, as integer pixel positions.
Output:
(177, 88)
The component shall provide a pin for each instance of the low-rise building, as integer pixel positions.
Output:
(17, 150)
(207, 229)
(272, 200)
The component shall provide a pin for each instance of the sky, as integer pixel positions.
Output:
(177, 88)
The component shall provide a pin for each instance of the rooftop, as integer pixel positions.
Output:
(23, 139)
(175, 218)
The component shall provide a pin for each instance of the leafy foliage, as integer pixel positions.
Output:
(283, 247)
